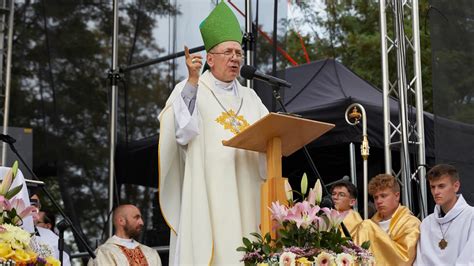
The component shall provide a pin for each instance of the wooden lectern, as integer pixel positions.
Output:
(276, 135)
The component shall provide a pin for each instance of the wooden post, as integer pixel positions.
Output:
(273, 188)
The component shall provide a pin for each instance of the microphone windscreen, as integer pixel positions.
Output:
(326, 202)
(247, 71)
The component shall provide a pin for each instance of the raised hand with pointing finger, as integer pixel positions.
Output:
(194, 64)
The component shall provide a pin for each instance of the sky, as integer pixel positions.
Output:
(195, 11)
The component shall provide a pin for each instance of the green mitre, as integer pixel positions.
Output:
(220, 26)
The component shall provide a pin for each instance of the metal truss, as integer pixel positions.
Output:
(406, 132)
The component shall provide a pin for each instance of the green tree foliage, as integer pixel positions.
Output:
(452, 40)
(61, 52)
(349, 31)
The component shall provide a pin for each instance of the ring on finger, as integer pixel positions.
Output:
(194, 60)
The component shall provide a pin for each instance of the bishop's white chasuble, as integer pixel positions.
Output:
(210, 193)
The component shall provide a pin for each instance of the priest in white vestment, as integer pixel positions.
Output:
(447, 235)
(209, 193)
(121, 249)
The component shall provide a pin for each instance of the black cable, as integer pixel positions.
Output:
(104, 228)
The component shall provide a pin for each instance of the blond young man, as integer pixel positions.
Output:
(393, 231)
(344, 196)
(447, 235)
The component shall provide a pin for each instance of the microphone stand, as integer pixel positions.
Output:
(310, 161)
(48, 194)
(62, 225)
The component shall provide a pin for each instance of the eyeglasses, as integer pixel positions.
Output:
(230, 53)
(339, 195)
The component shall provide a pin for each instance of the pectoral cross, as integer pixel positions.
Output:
(443, 244)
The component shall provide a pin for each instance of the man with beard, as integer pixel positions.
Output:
(121, 248)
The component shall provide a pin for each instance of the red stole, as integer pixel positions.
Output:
(134, 256)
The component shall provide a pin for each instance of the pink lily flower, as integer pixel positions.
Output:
(4, 204)
(335, 218)
(303, 214)
(312, 197)
(23, 211)
(323, 226)
(279, 212)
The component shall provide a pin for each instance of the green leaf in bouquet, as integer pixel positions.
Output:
(268, 238)
(283, 233)
(247, 243)
(12, 192)
(298, 193)
(243, 249)
(266, 249)
(365, 245)
(256, 235)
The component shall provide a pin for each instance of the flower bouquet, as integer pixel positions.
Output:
(306, 235)
(16, 245)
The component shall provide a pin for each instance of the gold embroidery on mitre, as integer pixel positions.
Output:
(231, 121)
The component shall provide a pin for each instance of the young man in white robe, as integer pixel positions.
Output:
(447, 235)
(121, 248)
(210, 193)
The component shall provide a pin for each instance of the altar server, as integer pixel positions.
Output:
(447, 235)
(393, 231)
(344, 196)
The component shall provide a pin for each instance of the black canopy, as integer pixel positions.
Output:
(322, 90)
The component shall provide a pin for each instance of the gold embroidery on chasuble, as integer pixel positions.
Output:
(233, 122)
(134, 256)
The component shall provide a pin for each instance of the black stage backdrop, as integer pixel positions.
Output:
(452, 43)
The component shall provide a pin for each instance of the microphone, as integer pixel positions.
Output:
(344, 178)
(326, 202)
(250, 72)
(7, 139)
